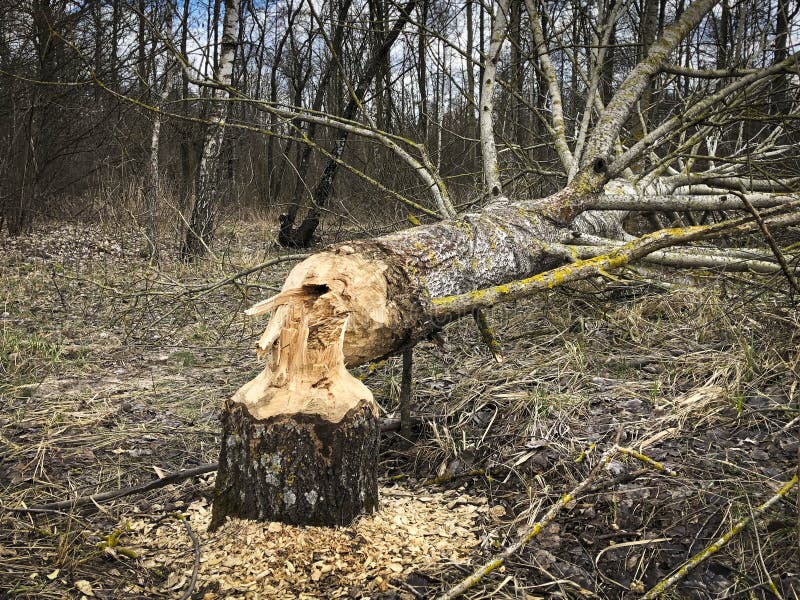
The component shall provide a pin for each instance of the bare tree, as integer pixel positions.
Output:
(303, 236)
(201, 223)
(161, 87)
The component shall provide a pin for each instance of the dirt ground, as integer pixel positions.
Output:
(112, 372)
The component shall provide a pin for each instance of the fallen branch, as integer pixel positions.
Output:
(537, 528)
(690, 564)
(687, 202)
(459, 304)
(647, 460)
(245, 273)
(54, 507)
(196, 567)
(771, 241)
(551, 514)
(113, 495)
(688, 259)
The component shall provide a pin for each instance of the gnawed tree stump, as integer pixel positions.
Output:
(300, 441)
(300, 434)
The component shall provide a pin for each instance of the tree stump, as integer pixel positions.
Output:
(300, 441)
(299, 469)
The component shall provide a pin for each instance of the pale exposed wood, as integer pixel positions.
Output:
(334, 304)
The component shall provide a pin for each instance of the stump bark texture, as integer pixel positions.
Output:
(297, 469)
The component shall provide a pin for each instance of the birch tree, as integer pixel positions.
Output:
(201, 221)
(161, 87)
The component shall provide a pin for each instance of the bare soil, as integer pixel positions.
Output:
(112, 372)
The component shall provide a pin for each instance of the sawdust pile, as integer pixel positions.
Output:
(412, 534)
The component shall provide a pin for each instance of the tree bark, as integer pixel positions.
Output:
(422, 71)
(185, 130)
(779, 99)
(491, 168)
(471, 97)
(367, 299)
(152, 189)
(300, 440)
(201, 224)
(297, 468)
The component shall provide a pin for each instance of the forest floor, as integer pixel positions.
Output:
(112, 373)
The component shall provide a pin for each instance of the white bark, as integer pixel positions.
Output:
(201, 224)
(153, 189)
(691, 258)
(679, 202)
(491, 168)
(558, 129)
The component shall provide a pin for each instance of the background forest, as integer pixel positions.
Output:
(82, 82)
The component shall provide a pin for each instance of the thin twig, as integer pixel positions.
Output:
(196, 569)
(537, 528)
(240, 274)
(488, 336)
(770, 240)
(647, 460)
(690, 564)
(113, 495)
(405, 393)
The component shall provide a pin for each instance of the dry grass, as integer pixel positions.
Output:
(110, 367)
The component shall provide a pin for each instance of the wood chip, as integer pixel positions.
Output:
(274, 560)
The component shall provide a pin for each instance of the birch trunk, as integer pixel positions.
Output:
(491, 169)
(152, 189)
(201, 223)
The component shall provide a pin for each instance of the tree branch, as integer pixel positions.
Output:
(662, 586)
(491, 169)
(558, 128)
(452, 306)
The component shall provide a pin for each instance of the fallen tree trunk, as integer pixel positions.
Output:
(384, 286)
(300, 440)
